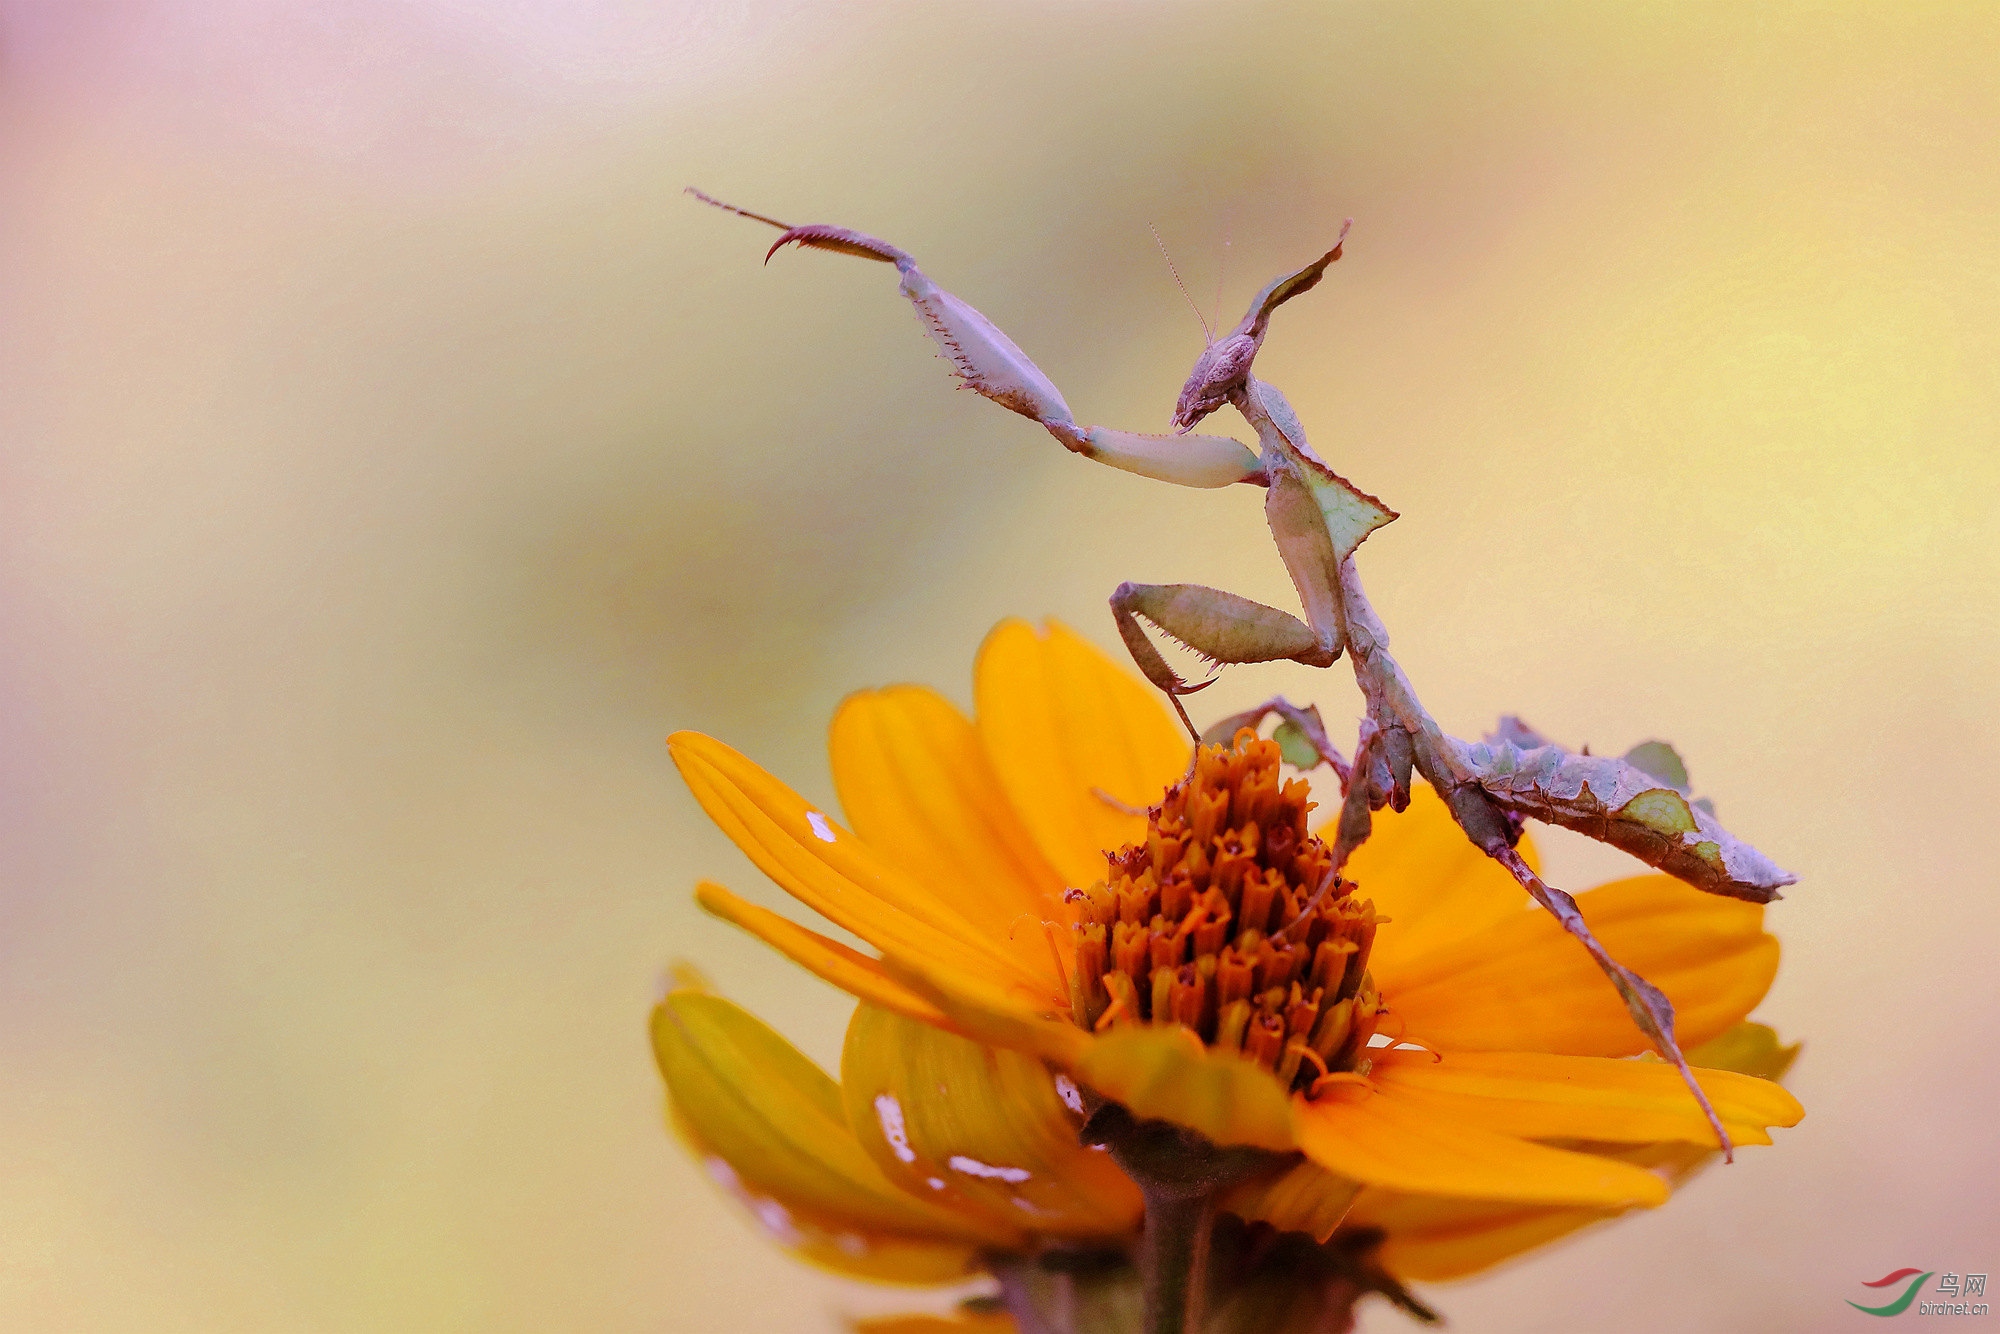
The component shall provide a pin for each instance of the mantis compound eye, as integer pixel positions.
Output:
(1211, 922)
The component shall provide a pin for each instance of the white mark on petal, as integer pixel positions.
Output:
(852, 1243)
(777, 1221)
(1072, 1096)
(889, 1113)
(936, 1183)
(972, 1167)
(723, 1175)
(821, 826)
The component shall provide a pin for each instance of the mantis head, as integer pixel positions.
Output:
(1224, 365)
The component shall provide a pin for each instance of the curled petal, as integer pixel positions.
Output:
(1433, 1238)
(834, 1243)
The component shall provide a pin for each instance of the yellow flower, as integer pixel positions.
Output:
(1039, 932)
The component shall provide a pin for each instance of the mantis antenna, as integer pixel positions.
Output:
(1207, 333)
(1222, 270)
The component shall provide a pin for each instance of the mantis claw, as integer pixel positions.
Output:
(847, 242)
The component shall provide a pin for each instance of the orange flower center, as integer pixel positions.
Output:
(1227, 919)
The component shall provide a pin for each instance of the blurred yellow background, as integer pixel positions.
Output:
(390, 457)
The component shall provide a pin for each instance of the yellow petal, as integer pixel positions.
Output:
(1063, 722)
(1433, 1238)
(830, 869)
(917, 786)
(1433, 885)
(1534, 1095)
(1304, 1197)
(1525, 985)
(775, 1120)
(970, 1322)
(1382, 1139)
(986, 1011)
(1164, 1073)
(983, 1128)
(1749, 1049)
(1430, 1239)
(850, 970)
(833, 1242)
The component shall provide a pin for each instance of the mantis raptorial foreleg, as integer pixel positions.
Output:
(1220, 626)
(988, 362)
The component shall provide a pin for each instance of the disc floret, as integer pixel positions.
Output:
(1227, 918)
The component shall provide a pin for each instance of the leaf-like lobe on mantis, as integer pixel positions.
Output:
(1283, 289)
(1662, 761)
(1623, 805)
(1307, 549)
(1297, 748)
(1301, 734)
(1350, 513)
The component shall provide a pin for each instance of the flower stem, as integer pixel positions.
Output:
(1173, 1259)
(1182, 1176)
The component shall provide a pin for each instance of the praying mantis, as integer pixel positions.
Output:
(1640, 803)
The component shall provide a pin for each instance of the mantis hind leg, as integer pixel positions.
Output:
(1222, 627)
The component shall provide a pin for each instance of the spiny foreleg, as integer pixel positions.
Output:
(989, 363)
